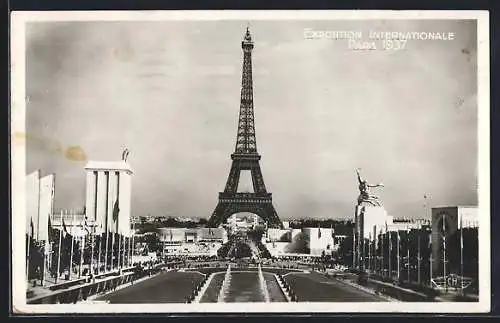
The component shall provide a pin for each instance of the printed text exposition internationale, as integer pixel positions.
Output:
(379, 35)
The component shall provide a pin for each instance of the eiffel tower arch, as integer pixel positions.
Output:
(245, 158)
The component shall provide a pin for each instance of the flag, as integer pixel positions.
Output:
(116, 210)
(461, 235)
(390, 241)
(51, 231)
(444, 227)
(49, 226)
(32, 228)
(86, 226)
(65, 230)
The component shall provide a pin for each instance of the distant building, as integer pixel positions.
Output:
(192, 241)
(311, 241)
(446, 222)
(320, 240)
(74, 221)
(400, 224)
(135, 219)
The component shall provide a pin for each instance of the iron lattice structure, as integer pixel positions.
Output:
(245, 157)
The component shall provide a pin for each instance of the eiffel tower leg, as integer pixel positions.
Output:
(233, 178)
(257, 179)
(219, 215)
(271, 216)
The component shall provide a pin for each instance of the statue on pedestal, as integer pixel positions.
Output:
(125, 154)
(364, 195)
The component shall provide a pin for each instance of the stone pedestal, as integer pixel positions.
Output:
(369, 220)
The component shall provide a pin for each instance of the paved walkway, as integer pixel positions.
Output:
(166, 287)
(315, 287)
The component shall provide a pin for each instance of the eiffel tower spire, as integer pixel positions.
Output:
(245, 139)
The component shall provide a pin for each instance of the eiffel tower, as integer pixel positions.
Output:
(245, 157)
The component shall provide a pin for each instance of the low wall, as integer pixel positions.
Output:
(78, 293)
(399, 293)
(82, 289)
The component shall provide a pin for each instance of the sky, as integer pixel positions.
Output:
(169, 91)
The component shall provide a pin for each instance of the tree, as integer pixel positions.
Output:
(241, 250)
(153, 242)
(345, 252)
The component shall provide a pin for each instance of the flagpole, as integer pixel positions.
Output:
(397, 254)
(129, 245)
(390, 254)
(408, 256)
(106, 249)
(461, 255)
(119, 255)
(28, 249)
(418, 258)
(43, 262)
(72, 246)
(82, 250)
(122, 254)
(369, 251)
(99, 252)
(133, 244)
(429, 243)
(353, 248)
(118, 259)
(130, 248)
(364, 253)
(112, 244)
(374, 250)
(444, 253)
(124, 250)
(92, 250)
(382, 236)
(118, 265)
(430, 262)
(59, 249)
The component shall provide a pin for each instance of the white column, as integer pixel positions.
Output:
(125, 202)
(90, 201)
(111, 200)
(102, 193)
(32, 202)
